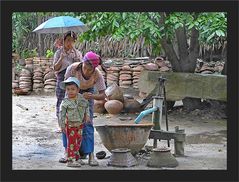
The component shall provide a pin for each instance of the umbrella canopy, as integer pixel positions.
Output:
(61, 24)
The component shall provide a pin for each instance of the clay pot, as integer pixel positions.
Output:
(138, 68)
(131, 105)
(25, 72)
(128, 77)
(113, 92)
(36, 86)
(20, 91)
(49, 75)
(15, 85)
(99, 106)
(151, 66)
(126, 68)
(136, 73)
(37, 78)
(125, 72)
(114, 68)
(47, 70)
(49, 87)
(127, 82)
(113, 106)
(37, 81)
(165, 68)
(112, 77)
(160, 63)
(50, 83)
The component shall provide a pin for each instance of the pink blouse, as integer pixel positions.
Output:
(68, 60)
(96, 79)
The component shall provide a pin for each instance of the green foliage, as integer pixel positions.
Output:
(212, 26)
(18, 67)
(122, 25)
(29, 53)
(49, 53)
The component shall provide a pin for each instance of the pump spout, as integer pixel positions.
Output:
(144, 113)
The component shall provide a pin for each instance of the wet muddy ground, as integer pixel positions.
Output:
(36, 145)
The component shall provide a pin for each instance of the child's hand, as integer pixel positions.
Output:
(87, 119)
(88, 95)
(63, 130)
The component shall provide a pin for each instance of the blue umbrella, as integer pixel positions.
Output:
(61, 24)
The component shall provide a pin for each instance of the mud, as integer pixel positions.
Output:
(36, 145)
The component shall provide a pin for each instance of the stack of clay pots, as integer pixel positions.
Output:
(49, 80)
(15, 84)
(151, 67)
(125, 77)
(37, 79)
(15, 57)
(25, 80)
(162, 64)
(46, 63)
(102, 72)
(207, 69)
(219, 66)
(36, 61)
(136, 73)
(112, 75)
(29, 64)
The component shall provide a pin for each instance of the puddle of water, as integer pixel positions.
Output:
(207, 137)
(32, 150)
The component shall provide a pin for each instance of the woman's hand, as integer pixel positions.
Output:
(63, 55)
(88, 95)
(58, 64)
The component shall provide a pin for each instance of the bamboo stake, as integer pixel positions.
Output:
(21, 106)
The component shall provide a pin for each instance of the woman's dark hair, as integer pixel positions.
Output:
(71, 34)
(101, 64)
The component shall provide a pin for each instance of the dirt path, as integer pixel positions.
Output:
(36, 145)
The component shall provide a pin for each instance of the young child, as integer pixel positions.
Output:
(73, 111)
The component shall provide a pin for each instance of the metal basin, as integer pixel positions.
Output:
(131, 136)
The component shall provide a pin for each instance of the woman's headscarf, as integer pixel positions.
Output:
(93, 58)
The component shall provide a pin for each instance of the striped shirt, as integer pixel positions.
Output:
(68, 60)
(74, 110)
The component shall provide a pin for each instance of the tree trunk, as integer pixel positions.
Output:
(187, 56)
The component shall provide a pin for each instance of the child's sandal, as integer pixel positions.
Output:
(81, 162)
(73, 164)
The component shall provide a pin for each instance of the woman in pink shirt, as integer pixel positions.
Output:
(90, 77)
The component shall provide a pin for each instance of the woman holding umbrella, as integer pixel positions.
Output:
(90, 77)
(64, 56)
